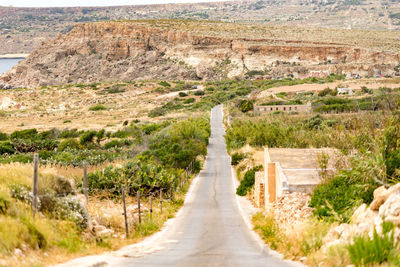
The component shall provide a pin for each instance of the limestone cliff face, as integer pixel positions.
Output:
(110, 51)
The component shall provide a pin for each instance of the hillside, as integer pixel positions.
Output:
(201, 50)
(23, 29)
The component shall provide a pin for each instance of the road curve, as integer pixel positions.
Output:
(210, 230)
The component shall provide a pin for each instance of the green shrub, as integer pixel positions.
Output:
(365, 90)
(118, 143)
(149, 128)
(182, 94)
(198, 93)
(24, 134)
(367, 251)
(248, 181)
(161, 111)
(23, 158)
(189, 101)
(69, 133)
(97, 108)
(87, 138)
(33, 145)
(126, 132)
(180, 143)
(6, 148)
(45, 154)
(337, 197)
(3, 136)
(237, 158)
(391, 149)
(115, 89)
(100, 135)
(157, 112)
(252, 73)
(138, 174)
(69, 143)
(164, 83)
(246, 105)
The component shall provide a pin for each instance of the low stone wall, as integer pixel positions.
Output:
(283, 108)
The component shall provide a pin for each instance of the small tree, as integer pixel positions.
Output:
(100, 136)
(87, 137)
(246, 105)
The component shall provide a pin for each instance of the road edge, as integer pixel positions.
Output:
(247, 219)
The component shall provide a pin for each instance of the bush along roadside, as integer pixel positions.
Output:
(72, 147)
(354, 216)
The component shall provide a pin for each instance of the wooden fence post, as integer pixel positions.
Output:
(35, 183)
(160, 201)
(138, 200)
(125, 215)
(151, 207)
(85, 182)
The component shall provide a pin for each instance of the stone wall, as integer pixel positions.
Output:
(283, 108)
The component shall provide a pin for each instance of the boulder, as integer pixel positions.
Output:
(380, 196)
(390, 210)
(134, 208)
(105, 232)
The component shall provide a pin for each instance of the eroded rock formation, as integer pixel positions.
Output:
(108, 51)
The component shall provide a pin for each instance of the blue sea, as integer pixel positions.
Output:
(7, 63)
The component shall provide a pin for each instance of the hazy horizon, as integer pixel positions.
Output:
(76, 3)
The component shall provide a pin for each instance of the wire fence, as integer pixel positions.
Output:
(161, 195)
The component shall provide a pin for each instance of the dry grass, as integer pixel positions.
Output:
(64, 241)
(303, 239)
(67, 107)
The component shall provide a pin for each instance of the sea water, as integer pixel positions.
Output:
(7, 63)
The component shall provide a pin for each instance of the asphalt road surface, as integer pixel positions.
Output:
(210, 229)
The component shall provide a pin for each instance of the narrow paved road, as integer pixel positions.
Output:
(210, 230)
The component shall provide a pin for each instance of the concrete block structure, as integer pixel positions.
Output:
(288, 170)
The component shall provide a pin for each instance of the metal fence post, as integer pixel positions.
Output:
(35, 183)
(125, 215)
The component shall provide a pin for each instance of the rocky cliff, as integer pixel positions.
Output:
(106, 51)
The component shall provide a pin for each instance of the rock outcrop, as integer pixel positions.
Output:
(385, 207)
(109, 51)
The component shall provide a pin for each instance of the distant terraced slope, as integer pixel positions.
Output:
(175, 49)
(23, 29)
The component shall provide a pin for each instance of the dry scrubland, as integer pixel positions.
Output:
(74, 106)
